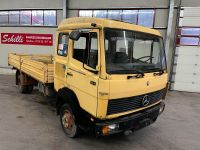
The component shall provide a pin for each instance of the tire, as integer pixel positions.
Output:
(68, 121)
(24, 89)
(29, 89)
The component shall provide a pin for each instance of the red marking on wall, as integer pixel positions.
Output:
(27, 39)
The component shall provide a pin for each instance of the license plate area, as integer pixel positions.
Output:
(145, 122)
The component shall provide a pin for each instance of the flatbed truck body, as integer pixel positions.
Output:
(39, 67)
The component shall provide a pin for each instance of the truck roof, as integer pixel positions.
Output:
(85, 22)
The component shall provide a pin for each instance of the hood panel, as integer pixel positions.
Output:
(121, 87)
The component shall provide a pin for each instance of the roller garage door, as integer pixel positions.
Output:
(186, 69)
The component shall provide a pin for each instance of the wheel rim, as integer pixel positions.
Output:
(68, 122)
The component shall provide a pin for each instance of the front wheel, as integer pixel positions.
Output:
(68, 121)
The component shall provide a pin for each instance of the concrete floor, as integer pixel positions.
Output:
(28, 122)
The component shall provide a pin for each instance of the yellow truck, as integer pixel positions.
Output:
(108, 76)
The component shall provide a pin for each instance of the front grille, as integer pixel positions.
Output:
(127, 104)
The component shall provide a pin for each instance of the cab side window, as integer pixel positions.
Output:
(86, 49)
(63, 40)
(80, 47)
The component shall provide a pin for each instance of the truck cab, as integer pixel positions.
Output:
(110, 76)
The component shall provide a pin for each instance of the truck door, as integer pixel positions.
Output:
(80, 78)
(60, 60)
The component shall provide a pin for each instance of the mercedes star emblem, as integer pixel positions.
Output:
(145, 100)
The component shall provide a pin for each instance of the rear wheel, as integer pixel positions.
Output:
(24, 88)
(29, 89)
(68, 121)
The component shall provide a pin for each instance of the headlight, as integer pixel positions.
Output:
(110, 128)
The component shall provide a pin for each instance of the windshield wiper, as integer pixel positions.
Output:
(139, 74)
(158, 71)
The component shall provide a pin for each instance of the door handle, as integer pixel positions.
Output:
(69, 74)
(93, 83)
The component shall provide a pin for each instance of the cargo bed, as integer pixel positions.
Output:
(39, 67)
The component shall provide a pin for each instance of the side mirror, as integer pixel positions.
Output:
(75, 35)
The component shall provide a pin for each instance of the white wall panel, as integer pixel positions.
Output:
(187, 69)
(188, 50)
(180, 22)
(189, 3)
(187, 78)
(191, 21)
(186, 60)
(191, 12)
(189, 87)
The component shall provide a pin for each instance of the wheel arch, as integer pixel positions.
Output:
(66, 95)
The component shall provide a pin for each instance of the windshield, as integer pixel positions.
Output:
(131, 52)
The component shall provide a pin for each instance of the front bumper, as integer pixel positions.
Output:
(133, 121)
